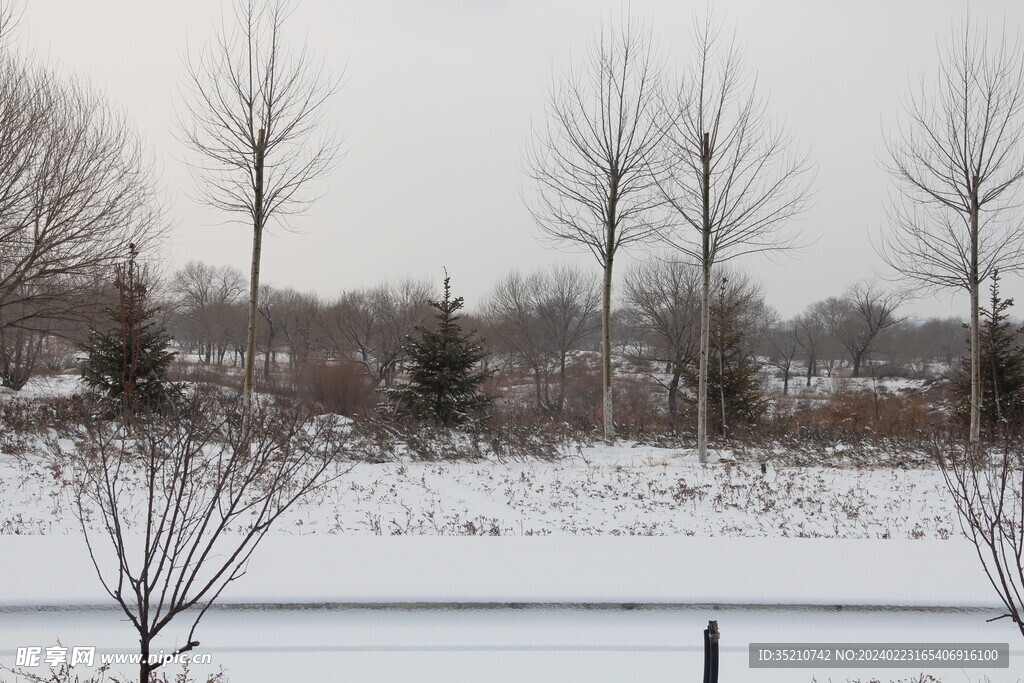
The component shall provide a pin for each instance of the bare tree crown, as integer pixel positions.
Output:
(593, 163)
(957, 151)
(246, 96)
(757, 178)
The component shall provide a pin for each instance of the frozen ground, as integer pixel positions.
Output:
(769, 555)
(624, 491)
(319, 643)
(310, 605)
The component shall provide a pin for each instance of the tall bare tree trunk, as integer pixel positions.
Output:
(254, 284)
(606, 349)
(975, 430)
(705, 303)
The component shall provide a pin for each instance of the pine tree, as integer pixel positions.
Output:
(445, 384)
(1002, 369)
(128, 362)
(734, 379)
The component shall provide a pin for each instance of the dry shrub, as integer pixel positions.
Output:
(201, 373)
(341, 387)
(641, 408)
(852, 415)
(383, 437)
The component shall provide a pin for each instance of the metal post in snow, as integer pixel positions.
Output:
(711, 636)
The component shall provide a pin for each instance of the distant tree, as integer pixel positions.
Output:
(128, 362)
(372, 326)
(300, 324)
(957, 160)
(941, 338)
(783, 345)
(662, 300)
(813, 338)
(205, 297)
(735, 179)
(445, 380)
(858, 318)
(20, 348)
(1002, 369)
(595, 162)
(540, 318)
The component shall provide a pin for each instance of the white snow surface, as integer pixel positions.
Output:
(769, 555)
(621, 491)
(55, 570)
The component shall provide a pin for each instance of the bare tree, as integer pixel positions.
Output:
(593, 164)
(663, 300)
(940, 339)
(989, 500)
(270, 310)
(782, 344)
(540, 318)
(735, 181)
(252, 117)
(76, 190)
(301, 315)
(181, 501)
(373, 326)
(510, 313)
(205, 298)
(859, 317)
(567, 308)
(957, 160)
(812, 336)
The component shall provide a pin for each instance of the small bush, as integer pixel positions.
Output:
(342, 388)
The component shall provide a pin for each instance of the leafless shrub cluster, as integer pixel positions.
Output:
(380, 438)
(537, 320)
(988, 492)
(173, 506)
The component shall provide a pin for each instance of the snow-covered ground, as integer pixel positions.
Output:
(621, 491)
(41, 386)
(770, 555)
(312, 604)
(823, 386)
(546, 645)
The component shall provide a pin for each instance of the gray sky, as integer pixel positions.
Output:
(437, 107)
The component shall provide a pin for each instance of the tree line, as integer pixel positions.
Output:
(538, 325)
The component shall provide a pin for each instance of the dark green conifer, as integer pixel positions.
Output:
(129, 360)
(734, 378)
(1002, 369)
(445, 380)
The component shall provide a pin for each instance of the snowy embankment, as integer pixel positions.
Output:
(614, 492)
(622, 525)
(55, 570)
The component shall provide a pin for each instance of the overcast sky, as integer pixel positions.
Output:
(437, 106)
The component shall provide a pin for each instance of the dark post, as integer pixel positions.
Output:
(711, 636)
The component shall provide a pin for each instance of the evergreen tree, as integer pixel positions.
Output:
(734, 380)
(128, 362)
(1002, 369)
(444, 380)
